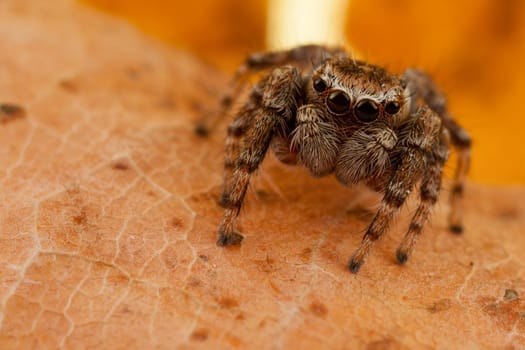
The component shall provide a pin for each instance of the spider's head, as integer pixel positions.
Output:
(361, 91)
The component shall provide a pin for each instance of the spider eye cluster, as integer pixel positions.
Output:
(338, 102)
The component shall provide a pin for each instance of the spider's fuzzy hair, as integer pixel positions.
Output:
(365, 155)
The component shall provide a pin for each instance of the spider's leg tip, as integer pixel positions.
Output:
(402, 257)
(354, 266)
(456, 228)
(233, 238)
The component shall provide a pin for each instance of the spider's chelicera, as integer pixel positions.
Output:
(318, 108)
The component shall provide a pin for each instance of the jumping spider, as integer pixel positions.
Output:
(317, 107)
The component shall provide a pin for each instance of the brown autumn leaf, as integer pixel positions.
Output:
(108, 218)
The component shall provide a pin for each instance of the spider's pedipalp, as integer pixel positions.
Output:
(317, 140)
(365, 155)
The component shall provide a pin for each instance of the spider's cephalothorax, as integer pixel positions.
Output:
(332, 114)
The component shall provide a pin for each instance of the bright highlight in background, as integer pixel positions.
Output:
(296, 22)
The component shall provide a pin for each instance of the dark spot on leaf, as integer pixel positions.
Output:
(306, 254)
(69, 86)
(81, 218)
(441, 305)
(200, 334)
(10, 112)
(120, 164)
(318, 309)
(177, 222)
(228, 303)
(194, 282)
(204, 257)
(262, 324)
(125, 309)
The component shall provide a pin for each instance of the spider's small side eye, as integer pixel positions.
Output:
(320, 85)
(338, 102)
(366, 110)
(392, 107)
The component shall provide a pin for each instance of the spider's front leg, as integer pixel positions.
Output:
(271, 106)
(415, 144)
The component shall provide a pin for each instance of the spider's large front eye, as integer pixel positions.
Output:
(320, 85)
(366, 110)
(338, 102)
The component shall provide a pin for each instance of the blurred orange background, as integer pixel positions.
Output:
(475, 49)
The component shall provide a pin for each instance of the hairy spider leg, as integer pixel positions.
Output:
(416, 145)
(236, 130)
(423, 86)
(428, 194)
(462, 143)
(275, 102)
